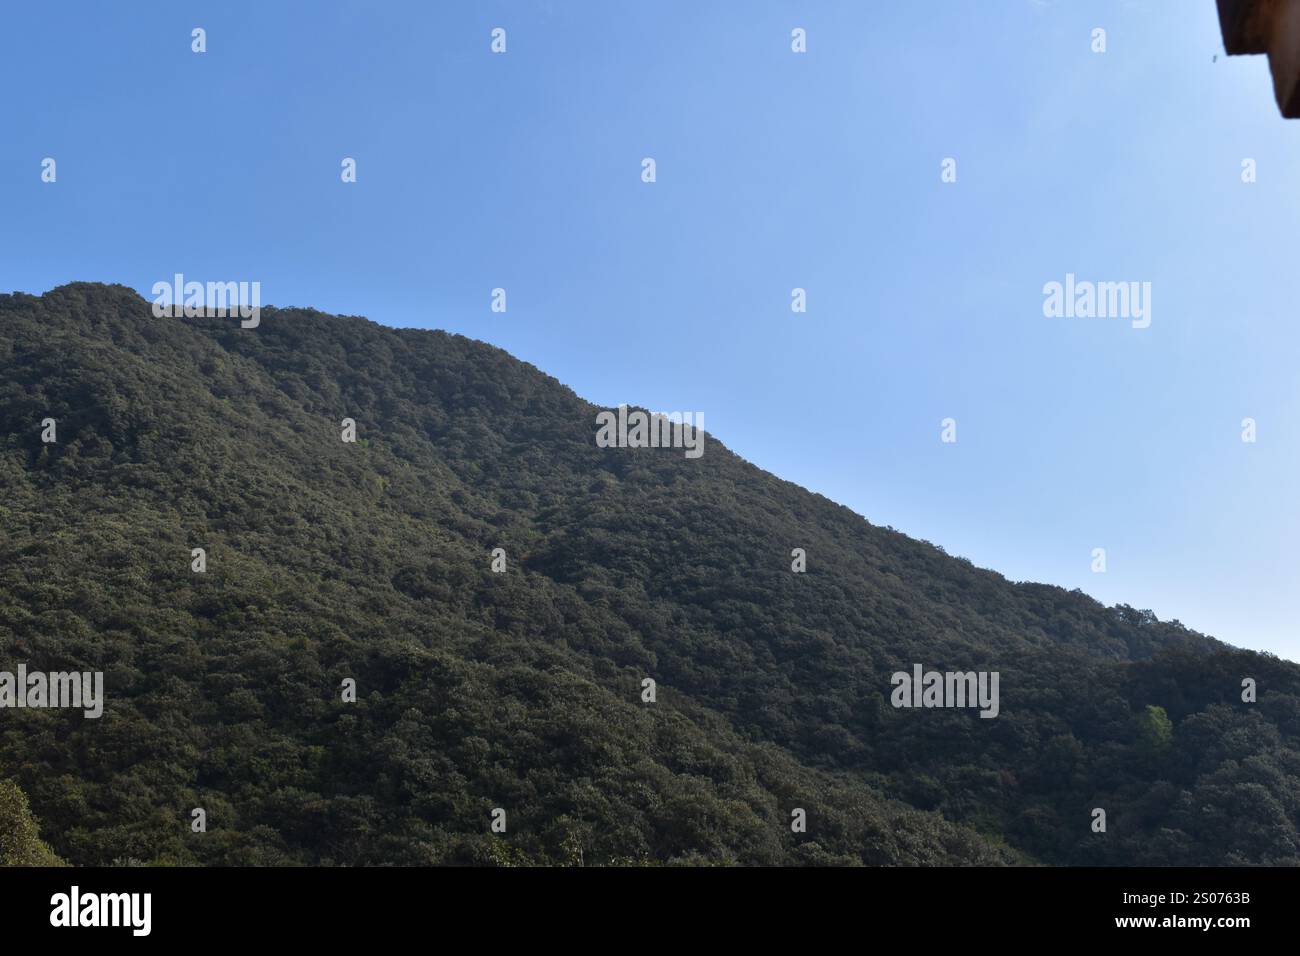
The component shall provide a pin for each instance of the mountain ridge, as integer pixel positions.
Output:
(137, 299)
(372, 560)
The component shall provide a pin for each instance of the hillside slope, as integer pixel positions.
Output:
(522, 690)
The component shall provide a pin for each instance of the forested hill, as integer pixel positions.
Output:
(372, 561)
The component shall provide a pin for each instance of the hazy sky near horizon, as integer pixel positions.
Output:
(775, 170)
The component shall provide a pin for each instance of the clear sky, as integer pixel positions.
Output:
(775, 170)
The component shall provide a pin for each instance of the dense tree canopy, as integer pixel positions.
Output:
(522, 690)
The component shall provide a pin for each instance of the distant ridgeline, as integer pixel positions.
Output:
(363, 595)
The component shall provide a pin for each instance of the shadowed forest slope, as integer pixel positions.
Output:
(522, 690)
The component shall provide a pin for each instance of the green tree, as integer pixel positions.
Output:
(20, 841)
(1155, 730)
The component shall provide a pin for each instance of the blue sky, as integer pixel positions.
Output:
(774, 170)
